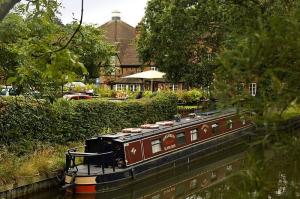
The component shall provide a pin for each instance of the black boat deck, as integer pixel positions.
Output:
(94, 170)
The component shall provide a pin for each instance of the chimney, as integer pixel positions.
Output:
(116, 15)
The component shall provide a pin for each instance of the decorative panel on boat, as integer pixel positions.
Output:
(133, 152)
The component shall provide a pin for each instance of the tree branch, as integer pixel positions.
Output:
(6, 6)
(71, 38)
(75, 32)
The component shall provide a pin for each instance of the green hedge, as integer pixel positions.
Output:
(23, 121)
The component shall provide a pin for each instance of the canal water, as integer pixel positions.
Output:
(260, 172)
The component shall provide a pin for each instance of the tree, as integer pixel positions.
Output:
(41, 69)
(34, 63)
(45, 55)
(182, 37)
(93, 51)
(268, 55)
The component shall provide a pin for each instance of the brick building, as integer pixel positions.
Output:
(126, 62)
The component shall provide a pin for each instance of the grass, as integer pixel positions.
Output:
(43, 162)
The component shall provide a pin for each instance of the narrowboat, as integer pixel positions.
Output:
(112, 161)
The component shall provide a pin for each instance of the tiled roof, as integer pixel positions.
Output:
(123, 36)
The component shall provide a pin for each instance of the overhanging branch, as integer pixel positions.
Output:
(75, 32)
(71, 38)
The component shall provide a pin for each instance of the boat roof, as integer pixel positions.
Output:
(201, 117)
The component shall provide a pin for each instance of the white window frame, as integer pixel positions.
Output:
(174, 87)
(156, 146)
(194, 135)
(252, 89)
(119, 87)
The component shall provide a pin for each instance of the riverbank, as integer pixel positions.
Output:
(43, 163)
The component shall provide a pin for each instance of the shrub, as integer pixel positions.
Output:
(190, 97)
(104, 92)
(23, 122)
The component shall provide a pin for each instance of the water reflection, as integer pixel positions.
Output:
(183, 182)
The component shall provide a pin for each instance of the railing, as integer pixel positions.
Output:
(72, 154)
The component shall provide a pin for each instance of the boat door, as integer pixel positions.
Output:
(133, 152)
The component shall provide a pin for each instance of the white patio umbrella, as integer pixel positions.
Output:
(150, 74)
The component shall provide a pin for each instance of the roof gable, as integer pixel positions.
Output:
(123, 36)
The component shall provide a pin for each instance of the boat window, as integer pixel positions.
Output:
(213, 176)
(243, 120)
(193, 184)
(156, 196)
(156, 146)
(215, 128)
(180, 137)
(229, 124)
(180, 189)
(194, 135)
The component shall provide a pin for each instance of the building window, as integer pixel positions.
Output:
(132, 87)
(153, 68)
(174, 87)
(229, 124)
(194, 135)
(252, 89)
(119, 87)
(156, 146)
(180, 137)
(215, 129)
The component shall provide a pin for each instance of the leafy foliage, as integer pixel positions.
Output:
(171, 39)
(93, 51)
(35, 57)
(265, 54)
(63, 121)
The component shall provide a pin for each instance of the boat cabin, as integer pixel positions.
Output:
(150, 141)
